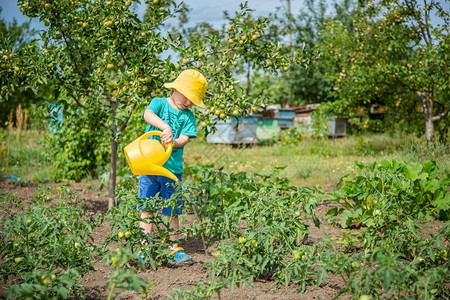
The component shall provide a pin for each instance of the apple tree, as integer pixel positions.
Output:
(303, 83)
(13, 38)
(397, 56)
(243, 45)
(109, 63)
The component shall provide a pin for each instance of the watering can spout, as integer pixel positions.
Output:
(147, 157)
(161, 171)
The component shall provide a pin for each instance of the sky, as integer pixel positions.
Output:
(210, 11)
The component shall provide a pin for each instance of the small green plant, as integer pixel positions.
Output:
(388, 198)
(362, 146)
(299, 268)
(291, 136)
(348, 240)
(46, 285)
(124, 277)
(319, 123)
(73, 146)
(49, 246)
(385, 274)
(310, 265)
(225, 200)
(204, 289)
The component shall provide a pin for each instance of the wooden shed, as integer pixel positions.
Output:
(337, 127)
(303, 116)
(273, 120)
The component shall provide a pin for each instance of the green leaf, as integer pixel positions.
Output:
(386, 163)
(387, 280)
(431, 168)
(412, 226)
(332, 212)
(369, 222)
(413, 172)
(316, 221)
(347, 218)
(442, 202)
(431, 185)
(62, 292)
(320, 276)
(28, 288)
(67, 280)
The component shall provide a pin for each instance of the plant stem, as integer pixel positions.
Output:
(111, 291)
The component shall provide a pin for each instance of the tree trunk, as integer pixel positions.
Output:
(114, 147)
(426, 99)
(113, 164)
(285, 101)
(112, 174)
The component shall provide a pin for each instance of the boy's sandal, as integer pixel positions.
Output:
(141, 256)
(178, 255)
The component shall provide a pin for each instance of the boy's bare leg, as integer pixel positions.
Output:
(175, 225)
(182, 256)
(146, 227)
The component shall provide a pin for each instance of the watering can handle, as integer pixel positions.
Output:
(158, 133)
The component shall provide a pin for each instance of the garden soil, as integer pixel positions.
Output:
(183, 276)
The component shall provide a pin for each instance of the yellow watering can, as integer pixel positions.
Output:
(147, 157)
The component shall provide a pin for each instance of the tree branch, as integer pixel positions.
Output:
(441, 115)
(108, 95)
(73, 94)
(125, 121)
(124, 59)
(419, 22)
(438, 103)
(427, 16)
(72, 57)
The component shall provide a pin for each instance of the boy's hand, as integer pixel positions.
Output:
(166, 136)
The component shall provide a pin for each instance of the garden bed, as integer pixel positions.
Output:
(183, 276)
(342, 261)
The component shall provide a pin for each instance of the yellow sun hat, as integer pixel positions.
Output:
(192, 84)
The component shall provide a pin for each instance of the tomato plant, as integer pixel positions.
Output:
(47, 246)
(45, 285)
(258, 219)
(124, 277)
(387, 275)
(224, 200)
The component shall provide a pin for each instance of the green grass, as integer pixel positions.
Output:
(312, 162)
(318, 162)
(23, 155)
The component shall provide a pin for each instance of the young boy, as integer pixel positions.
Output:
(177, 123)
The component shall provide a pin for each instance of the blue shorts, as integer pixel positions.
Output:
(151, 185)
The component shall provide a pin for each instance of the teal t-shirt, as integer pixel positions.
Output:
(181, 122)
